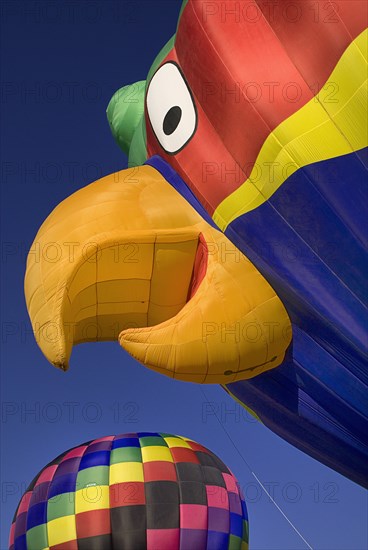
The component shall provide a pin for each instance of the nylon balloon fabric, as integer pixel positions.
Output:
(247, 148)
(134, 491)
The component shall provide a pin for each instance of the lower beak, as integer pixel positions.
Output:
(127, 257)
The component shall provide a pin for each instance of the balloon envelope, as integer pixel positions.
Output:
(279, 161)
(255, 113)
(134, 491)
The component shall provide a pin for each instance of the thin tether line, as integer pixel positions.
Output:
(253, 474)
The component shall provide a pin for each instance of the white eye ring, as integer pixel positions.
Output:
(170, 107)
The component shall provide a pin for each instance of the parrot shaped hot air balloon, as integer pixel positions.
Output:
(233, 250)
(133, 491)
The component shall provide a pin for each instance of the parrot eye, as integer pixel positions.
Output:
(170, 107)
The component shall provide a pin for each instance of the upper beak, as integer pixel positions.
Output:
(128, 257)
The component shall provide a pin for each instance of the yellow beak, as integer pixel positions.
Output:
(127, 257)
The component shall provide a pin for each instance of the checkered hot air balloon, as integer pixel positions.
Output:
(135, 491)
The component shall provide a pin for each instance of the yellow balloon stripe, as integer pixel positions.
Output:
(331, 124)
(243, 405)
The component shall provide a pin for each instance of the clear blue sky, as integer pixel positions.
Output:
(64, 60)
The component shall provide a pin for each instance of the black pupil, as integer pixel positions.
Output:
(171, 120)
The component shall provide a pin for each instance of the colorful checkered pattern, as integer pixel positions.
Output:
(134, 491)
